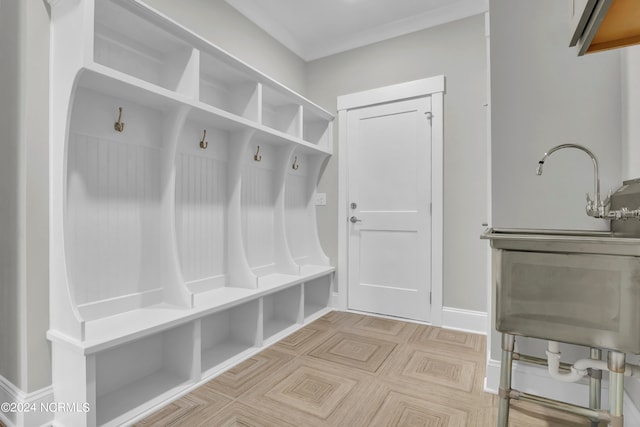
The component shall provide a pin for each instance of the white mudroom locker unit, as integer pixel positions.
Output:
(183, 224)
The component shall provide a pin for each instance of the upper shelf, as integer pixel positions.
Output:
(134, 40)
(102, 79)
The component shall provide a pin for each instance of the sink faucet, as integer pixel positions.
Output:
(595, 208)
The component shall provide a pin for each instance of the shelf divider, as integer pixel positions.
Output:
(240, 273)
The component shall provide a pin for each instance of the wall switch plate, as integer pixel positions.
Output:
(321, 199)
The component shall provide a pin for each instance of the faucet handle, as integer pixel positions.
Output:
(591, 207)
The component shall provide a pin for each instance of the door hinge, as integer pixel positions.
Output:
(430, 295)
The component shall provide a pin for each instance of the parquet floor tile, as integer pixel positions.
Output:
(315, 393)
(190, 409)
(384, 329)
(400, 409)
(240, 415)
(352, 370)
(354, 351)
(248, 374)
(303, 339)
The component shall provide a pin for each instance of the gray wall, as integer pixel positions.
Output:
(631, 112)
(10, 96)
(24, 286)
(35, 143)
(222, 25)
(631, 151)
(457, 50)
(542, 95)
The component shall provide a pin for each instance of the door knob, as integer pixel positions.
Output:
(354, 219)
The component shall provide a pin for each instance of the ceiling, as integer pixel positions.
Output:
(317, 28)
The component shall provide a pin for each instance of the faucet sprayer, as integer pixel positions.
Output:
(595, 208)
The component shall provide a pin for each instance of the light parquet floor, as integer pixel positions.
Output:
(348, 369)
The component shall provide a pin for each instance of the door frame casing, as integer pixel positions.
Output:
(435, 88)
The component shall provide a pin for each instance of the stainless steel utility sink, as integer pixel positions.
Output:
(580, 287)
(563, 241)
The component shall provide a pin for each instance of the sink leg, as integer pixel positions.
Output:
(616, 363)
(508, 343)
(595, 385)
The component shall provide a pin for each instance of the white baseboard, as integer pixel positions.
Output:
(22, 409)
(452, 318)
(464, 320)
(536, 380)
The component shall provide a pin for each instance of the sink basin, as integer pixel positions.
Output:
(563, 241)
(580, 287)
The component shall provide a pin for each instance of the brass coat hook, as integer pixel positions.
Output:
(204, 144)
(119, 125)
(257, 157)
(295, 164)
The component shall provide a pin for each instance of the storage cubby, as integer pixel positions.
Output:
(316, 296)
(280, 311)
(298, 201)
(281, 113)
(113, 204)
(300, 209)
(229, 333)
(258, 201)
(260, 187)
(142, 372)
(317, 129)
(228, 88)
(129, 43)
(201, 201)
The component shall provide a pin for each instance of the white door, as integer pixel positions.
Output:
(389, 194)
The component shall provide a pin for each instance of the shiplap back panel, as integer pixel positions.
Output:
(113, 198)
(201, 219)
(297, 218)
(258, 199)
